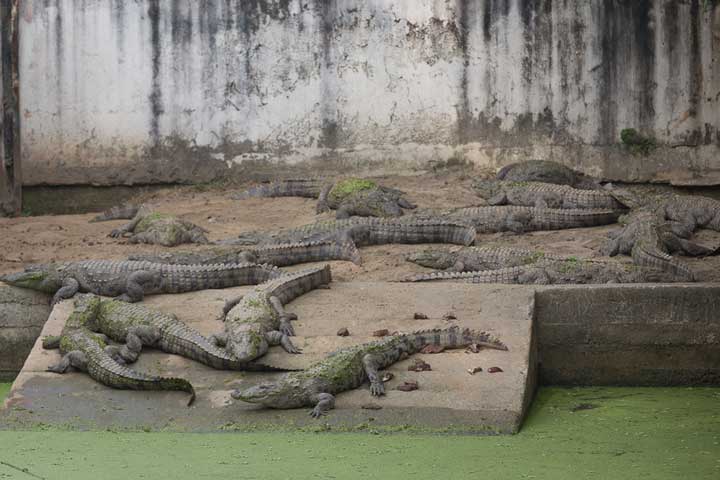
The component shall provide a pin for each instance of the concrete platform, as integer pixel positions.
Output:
(449, 399)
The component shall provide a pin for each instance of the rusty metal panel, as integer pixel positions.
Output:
(10, 173)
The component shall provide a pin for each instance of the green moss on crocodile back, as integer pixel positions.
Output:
(151, 219)
(347, 187)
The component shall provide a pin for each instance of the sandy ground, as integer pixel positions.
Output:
(41, 239)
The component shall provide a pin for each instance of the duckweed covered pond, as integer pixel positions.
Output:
(588, 433)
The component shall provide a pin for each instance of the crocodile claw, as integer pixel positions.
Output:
(317, 412)
(377, 389)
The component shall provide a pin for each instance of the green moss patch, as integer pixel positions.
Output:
(349, 186)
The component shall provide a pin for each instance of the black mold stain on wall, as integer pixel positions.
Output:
(627, 41)
(330, 129)
(155, 98)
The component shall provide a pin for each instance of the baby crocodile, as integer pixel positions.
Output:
(130, 281)
(544, 195)
(138, 326)
(257, 320)
(148, 226)
(351, 196)
(89, 352)
(348, 368)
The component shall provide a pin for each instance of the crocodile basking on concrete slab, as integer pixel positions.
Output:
(525, 219)
(365, 231)
(557, 272)
(137, 326)
(89, 352)
(548, 172)
(131, 281)
(350, 367)
(349, 197)
(148, 226)
(544, 195)
(280, 255)
(258, 319)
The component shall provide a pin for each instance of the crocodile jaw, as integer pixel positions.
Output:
(35, 279)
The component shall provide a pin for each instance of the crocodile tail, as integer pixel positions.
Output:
(510, 275)
(647, 255)
(312, 251)
(284, 188)
(177, 384)
(125, 211)
(455, 337)
(292, 285)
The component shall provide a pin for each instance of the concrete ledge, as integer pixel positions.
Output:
(646, 334)
(22, 316)
(449, 399)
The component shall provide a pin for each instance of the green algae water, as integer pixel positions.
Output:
(578, 433)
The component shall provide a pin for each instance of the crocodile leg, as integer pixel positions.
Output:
(326, 402)
(134, 291)
(230, 304)
(137, 337)
(370, 363)
(285, 325)
(51, 342)
(128, 227)
(277, 337)
(218, 339)
(322, 205)
(76, 359)
(70, 287)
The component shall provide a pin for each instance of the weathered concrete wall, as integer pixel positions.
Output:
(23, 314)
(10, 180)
(629, 335)
(159, 90)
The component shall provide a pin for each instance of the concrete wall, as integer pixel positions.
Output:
(10, 180)
(23, 314)
(159, 91)
(629, 335)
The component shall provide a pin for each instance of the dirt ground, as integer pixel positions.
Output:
(40, 239)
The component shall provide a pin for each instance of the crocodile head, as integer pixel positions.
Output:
(438, 259)
(286, 393)
(247, 347)
(43, 278)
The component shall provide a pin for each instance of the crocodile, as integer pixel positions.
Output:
(686, 213)
(137, 326)
(280, 255)
(130, 281)
(544, 195)
(88, 351)
(649, 240)
(469, 259)
(349, 197)
(365, 231)
(349, 367)
(524, 219)
(558, 272)
(548, 172)
(149, 226)
(258, 319)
